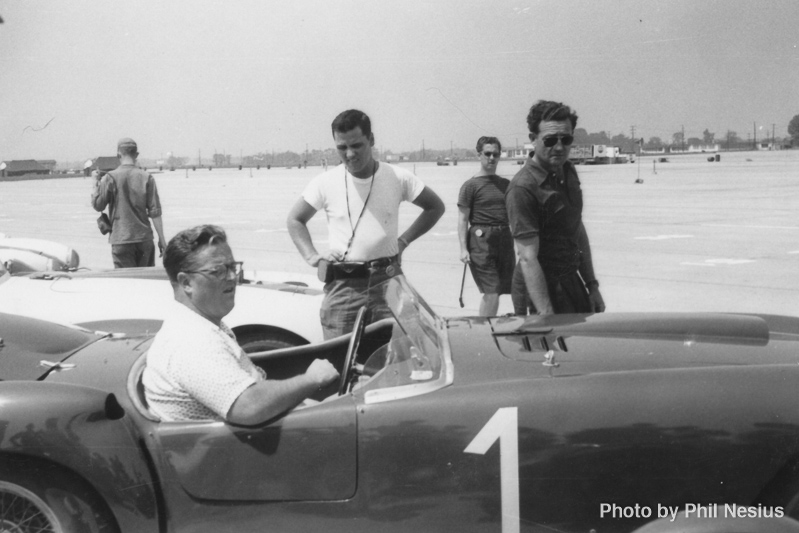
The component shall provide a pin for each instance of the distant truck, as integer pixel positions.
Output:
(596, 154)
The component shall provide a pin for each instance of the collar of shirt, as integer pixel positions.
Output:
(541, 175)
(185, 315)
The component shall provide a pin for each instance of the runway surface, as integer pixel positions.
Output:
(694, 236)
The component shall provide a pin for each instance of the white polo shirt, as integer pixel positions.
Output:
(195, 370)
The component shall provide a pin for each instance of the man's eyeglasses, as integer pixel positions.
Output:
(552, 140)
(221, 272)
(489, 155)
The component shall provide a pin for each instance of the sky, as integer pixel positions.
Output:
(242, 77)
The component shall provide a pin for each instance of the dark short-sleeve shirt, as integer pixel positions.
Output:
(549, 206)
(484, 196)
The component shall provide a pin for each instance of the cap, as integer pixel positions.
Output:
(126, 142)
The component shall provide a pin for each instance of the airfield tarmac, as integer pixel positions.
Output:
(694, 236)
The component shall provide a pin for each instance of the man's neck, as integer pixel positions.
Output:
(127, 161)
(547, 167)
(367, 172)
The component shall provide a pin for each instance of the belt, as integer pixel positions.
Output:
(496, 226)
(362, 269)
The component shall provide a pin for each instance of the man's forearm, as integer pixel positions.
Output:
(302, 240)
(423, 223)
(158, 223)
(268, 399)
(536, 283)
(586, 262)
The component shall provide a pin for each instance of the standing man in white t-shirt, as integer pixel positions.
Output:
(361, 199)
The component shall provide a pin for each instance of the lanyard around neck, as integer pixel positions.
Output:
(363, 209)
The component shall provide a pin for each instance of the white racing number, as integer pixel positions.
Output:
(503, 426)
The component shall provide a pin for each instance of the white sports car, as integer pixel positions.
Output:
(269, 314)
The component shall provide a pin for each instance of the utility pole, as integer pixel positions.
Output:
(754, 135)
(423, 152)
(632, 136)
(773, 138)
(683, 138)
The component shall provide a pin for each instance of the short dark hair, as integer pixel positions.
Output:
(482, 141)
(128, 149)
(349, 120)
(184, 247)
(547, 110)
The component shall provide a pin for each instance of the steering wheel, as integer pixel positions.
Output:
(348, 372)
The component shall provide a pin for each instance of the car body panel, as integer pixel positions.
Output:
(89, 297)
(227, 463)
(84, 431)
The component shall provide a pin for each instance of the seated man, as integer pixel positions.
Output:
(195, 370)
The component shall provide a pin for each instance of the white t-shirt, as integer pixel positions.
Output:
(377, 233)
(195, 370)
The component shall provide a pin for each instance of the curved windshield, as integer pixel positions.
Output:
(417, 353)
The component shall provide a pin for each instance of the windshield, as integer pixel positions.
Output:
(417, 358)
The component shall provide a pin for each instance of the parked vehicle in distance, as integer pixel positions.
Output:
(465, 424)
(268, 314)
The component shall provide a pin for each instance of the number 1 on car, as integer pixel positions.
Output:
(503, 426)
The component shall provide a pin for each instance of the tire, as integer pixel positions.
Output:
(264, 341)
(35, 501)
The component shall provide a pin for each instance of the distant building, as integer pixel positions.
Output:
(22, 167)
(48, 163)
(768, 146)
(693, 148)
(103, 164)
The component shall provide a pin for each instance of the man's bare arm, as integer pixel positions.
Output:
(534, 278)
(587, 271)
(463, 232)
(297, 223)
(267, 399)
(432, 210)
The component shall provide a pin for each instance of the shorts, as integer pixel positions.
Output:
(492, 258)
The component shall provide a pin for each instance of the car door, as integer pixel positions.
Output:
(307, 455)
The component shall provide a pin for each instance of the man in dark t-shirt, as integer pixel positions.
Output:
(555, 273)
(483, 231)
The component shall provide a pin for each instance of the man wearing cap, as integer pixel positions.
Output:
(361, 199)
(555, 273)
(132, 199)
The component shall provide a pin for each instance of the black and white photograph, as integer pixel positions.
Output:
(425, 265)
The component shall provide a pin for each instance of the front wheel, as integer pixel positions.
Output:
(32, 504)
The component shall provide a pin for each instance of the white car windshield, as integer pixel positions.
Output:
(417, 358)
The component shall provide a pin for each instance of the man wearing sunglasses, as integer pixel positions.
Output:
(195, 369)
(483, 231)
(555, 273)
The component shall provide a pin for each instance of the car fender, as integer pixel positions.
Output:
(87, 432)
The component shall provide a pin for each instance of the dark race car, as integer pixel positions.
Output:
(573, 423)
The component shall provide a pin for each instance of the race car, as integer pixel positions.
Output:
(568, 423)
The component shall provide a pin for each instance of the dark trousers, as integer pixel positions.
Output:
(133, 254)
(567, 294)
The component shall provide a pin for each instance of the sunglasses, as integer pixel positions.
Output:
(552, 140)
(491, 154)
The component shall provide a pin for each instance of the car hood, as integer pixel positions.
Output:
(568, 345)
